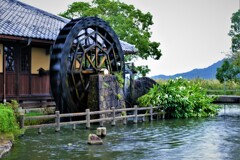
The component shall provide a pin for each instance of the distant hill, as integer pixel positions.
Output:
(204, 73)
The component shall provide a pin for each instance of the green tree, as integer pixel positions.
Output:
(230, 69)
(227, 71)
(142, 70)
(129, 23)
(235, 32)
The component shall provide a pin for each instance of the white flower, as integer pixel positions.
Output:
(185, 98)
(182, 88)
(180, 77)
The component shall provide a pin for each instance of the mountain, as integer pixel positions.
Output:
(204, 73)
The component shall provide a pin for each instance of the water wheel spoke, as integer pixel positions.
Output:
(93, 58)
(96, 56)
(109, 63)
(74, 87)
(115, 60)
(90, 48)
(89, 60)
(105, 50)
(82, 48)
(84, 35)
(80, 35)
(102, 61)
(74, 62)
(78, 84)
(104, 38)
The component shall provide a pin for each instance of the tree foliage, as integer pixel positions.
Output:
(235, 34)
(235, 31)
(230, 69)
(142, 70)
(130, 24)
(180, 99)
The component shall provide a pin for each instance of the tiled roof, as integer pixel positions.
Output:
(20, 19)
(23, 20)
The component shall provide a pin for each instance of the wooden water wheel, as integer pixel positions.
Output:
(85, 46)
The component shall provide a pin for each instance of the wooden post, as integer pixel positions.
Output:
(101, 122)
(88, 118)
(4, 78)
(135, 114)
(74, 126)
(124, 118)
(163, 114)
(151, 113)
(21, 121)
(124, 121)
(57, 121)
(143, 119)
(114, 116)
(40, 130)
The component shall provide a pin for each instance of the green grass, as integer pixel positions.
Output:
(33, 113)
(214, 87)
(36, 121)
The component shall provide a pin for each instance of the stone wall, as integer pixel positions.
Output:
(104, 93)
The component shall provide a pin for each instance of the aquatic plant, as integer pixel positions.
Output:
(180, 98)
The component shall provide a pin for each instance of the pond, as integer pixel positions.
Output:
(200, 138)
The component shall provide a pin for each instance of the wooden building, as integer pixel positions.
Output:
(26, 37)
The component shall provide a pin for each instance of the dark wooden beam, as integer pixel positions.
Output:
(14, 38)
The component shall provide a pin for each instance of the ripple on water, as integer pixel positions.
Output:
(202, 138)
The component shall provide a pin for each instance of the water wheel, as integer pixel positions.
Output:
(85, 46)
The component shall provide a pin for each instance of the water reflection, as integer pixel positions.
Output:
(187, 139)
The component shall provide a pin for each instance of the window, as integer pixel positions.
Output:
(25, 60)
(10, 62)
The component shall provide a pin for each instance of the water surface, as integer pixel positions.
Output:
(187, 139)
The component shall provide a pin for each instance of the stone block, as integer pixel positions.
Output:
(104, 92)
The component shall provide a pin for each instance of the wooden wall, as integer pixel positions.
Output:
(25, 87)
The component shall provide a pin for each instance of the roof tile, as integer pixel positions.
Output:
(20, 19)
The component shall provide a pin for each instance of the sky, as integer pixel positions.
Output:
(193, 33)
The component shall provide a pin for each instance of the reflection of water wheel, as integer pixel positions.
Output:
(83, 47)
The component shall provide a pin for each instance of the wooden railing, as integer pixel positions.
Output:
(114, 117)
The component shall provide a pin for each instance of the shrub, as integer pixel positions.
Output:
(9, 127)
(180, 99)
(8, 121)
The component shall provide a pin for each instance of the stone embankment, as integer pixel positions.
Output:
(5, 147)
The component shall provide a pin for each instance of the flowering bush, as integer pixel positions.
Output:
(180, 98)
